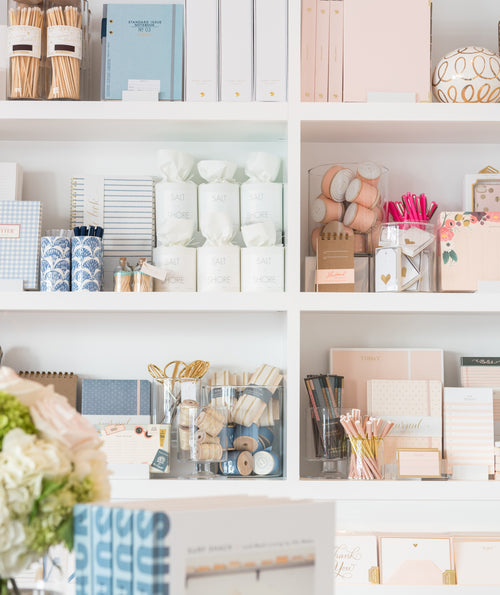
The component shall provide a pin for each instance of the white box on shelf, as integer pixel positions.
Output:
(270, 40)
(11, 179)
(236, 50)
(202, 50)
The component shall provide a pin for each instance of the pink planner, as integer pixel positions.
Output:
(359, 365)
(336, 50)
(476, 560)
(415, 408)
(308, 50)
(387, 48)
(468, 434)
(322, 49)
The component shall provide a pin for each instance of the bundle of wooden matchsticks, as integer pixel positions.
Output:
(25, 70)
(366, 437)
(65, 70)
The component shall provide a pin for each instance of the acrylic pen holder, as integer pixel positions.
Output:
(55, 263)
(411, 247)
(326, 443)
(254, 434)
(86, 263)
(366, 458)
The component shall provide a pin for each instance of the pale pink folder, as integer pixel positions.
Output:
(359, 365)
(308, 50)
(477, 560)
(468, 251)
(414, 561)
(414, 406)
(322, 50)
(336, 52)
(387, 48)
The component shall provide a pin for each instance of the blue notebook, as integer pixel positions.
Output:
(116, 397)
(142, 42)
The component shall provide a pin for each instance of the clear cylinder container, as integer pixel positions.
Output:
(347, 198)
(25, 37)
(326, 442)
(254, 433)
(67, 48)
(366, 458)
(415, 246)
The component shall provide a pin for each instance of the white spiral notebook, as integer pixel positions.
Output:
(125, 207)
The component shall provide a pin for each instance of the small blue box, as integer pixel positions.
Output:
(142, 42)
(116, 397)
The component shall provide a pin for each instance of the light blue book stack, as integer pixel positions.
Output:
(123, 540)
(102, 534)
(142, 42)
(82, 545)
(151, 554)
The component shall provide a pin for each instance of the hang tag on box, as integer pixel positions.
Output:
(388, 269)
(155, 272)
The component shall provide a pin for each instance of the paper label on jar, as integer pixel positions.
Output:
(262, 269)
(24, 41)
(261, 202)
(64, 41)
(175, 200)
(219, 198)
(219, 269)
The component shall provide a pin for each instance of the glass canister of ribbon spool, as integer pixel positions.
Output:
(25, 25)
(347, 198)
(67, 49)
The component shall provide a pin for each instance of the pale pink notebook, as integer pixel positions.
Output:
(336, 52)
(308, 50)
(414, 561)
(322, 50)
(477, 560)
(469, 248)
(387, 48)
(359, 365)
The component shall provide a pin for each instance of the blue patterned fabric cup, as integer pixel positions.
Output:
(86, 263)
(55, 263)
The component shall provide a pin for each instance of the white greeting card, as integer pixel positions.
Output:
(354, 556)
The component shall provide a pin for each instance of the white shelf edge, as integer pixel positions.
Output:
(317, 489)
(145, 302)
(443, 303)
(416, 590)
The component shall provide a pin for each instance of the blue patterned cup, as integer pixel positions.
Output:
(55, 263)
(86, 263)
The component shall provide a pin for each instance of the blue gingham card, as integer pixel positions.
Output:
(20, 230)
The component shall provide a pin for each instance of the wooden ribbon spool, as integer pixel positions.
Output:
(211, 421)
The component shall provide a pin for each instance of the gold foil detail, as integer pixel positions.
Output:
(374, 575)
(449, 577)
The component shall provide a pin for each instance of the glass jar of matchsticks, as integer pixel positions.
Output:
(24, 35)
(67, 42)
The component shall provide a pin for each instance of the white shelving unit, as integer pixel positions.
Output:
(427, 148)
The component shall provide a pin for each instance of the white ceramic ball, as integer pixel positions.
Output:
(467, 75)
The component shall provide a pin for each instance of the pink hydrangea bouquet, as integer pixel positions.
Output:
(50, 460)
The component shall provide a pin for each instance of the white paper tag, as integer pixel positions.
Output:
(152, 271)
(144, 85)
(140, 96)
(64, 41)
(24, 41)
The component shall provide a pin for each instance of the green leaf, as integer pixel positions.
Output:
(446, 257)
(453, 255)
(49, 486)
(65, 532)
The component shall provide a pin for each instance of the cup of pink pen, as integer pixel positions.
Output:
(366, 435)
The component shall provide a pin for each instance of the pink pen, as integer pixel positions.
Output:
(423, 206)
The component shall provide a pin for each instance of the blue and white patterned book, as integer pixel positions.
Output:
(82, 546)
(20, 230)
(123, 535)
(119, 397)
(151, 552)
(102, 529)
(142, 43)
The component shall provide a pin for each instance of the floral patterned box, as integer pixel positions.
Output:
(469, 249)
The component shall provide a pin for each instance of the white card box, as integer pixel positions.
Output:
(270, 50)
(11, 180)
(202, 50)
(236, 50)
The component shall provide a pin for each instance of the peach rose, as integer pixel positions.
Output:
(57, 420)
